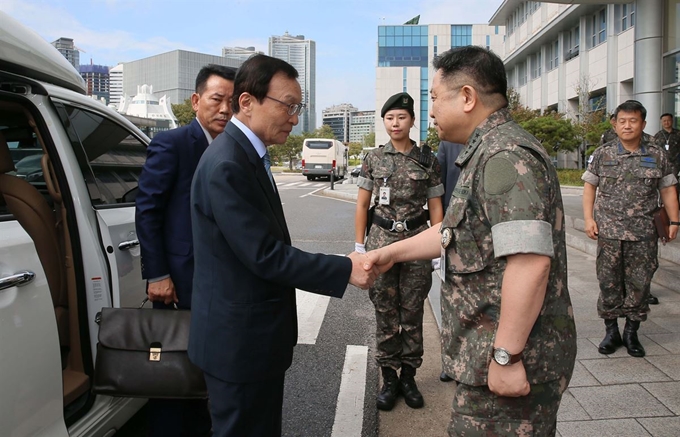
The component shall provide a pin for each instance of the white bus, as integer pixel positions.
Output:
(322, 157)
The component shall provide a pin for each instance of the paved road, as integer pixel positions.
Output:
(331, 385)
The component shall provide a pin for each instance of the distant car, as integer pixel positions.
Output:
(355, 171)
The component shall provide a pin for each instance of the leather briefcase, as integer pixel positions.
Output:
(662, 223)
(142, 353)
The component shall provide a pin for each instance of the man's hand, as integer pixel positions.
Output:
(162, 291)
(509, 380)
(380, 259)
(672, 232)
(362, 275)
(591, 229)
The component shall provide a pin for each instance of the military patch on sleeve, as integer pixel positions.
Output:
(499, 176)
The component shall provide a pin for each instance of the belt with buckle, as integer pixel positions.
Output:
(400, 226)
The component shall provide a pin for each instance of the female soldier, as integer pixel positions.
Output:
(402, 177)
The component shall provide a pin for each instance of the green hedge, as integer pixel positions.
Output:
(568, 176)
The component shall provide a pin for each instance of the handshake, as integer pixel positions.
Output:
(366, 267)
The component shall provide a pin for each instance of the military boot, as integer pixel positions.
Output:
(652, 300)
(408, 387)
(630, 339)
(390, 389)
(612, 339)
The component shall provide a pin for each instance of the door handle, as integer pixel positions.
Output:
(127, 245)
(16, 280)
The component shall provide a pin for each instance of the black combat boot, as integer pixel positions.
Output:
(652, 300)
(390, 389)
(612, 339)
(408, 387)
(630, 339)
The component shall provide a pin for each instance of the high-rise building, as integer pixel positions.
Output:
(96, 79)
(361, 123)
(67, 48)
(240, 53)
(116, 84)
(301, 54)
(405, 54)
(172, 74)
(338, 118)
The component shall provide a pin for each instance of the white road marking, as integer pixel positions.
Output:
(311, 309)
(291, 184)
(349, 411)
(306, 184)
(312, 192)
(321, 185)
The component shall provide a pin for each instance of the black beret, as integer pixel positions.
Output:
(398, 101)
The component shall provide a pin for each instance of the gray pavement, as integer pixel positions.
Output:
(615, 395)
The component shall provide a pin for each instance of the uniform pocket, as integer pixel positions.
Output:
(463, 253)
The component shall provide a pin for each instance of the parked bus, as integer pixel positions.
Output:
(322, 157)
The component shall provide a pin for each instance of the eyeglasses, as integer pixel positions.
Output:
(293, 108)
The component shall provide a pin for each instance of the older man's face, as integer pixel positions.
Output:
(447, 110)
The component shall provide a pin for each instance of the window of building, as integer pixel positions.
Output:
(509, 25)
(402, 46)
(461, 35)
(536, 63)
(488, 42)
(624, 16)
(553, 54)
(597, 25)
(597, 103)
(571, 43)
(522, 73)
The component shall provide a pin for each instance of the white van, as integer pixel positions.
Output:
(322, 157)
(69, 167)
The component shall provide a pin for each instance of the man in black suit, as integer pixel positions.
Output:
(244, 321)
(163, 223)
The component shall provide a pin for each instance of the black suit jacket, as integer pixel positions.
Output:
(162, 217)
(244, 320)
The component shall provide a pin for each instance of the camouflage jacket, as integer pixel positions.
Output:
(411, 183)
(628, 185)
(670, 142)
(608, 135)
(507, 201)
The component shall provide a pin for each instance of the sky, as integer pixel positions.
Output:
(345, 31)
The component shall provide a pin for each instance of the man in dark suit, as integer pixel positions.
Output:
(244, 321)
(163, 223)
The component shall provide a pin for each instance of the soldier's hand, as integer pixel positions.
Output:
(672, 232)
(591, 229)
(362, 276)
(510, 381)
(162, 291)
(380, 258)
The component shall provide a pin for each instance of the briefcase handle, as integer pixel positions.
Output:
(98, 316)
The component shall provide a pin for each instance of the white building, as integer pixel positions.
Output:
(361, 123)
(116, 84)
(405, 54)
(240, 54)
(301, 54)
(553, 50)
(146, 105)
(338, 118)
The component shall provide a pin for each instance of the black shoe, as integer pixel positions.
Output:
(443, 377)
(630, 339)
(408, 387)
(612, 339)
(652, 300)
(390, 389)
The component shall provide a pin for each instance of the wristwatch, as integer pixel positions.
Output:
(505, 358)
(674, 223)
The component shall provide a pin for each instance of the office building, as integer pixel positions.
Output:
(97, 80)
(405, 54)
(338, 118)
(301, 54)
(361, 123)
(67, 48)
(172, 74)
(240, 54)
(573, 56)
(116, 84)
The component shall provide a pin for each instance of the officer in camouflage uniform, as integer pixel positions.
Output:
(402, 178)
(630, 175)
(505, 302)
(609, 134)
(668, 139)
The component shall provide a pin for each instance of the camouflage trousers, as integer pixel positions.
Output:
(624, 271)
(398, 296)
(477, 412)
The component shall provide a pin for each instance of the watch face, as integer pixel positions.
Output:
(501, 356)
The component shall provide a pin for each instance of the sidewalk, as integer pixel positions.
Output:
(615, 395)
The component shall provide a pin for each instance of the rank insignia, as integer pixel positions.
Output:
(447, 235)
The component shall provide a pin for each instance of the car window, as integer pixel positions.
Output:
(109, 155)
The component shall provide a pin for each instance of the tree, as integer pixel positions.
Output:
(519, 112)
(369, 140)
(324, 131)
(184, 112)
(588, 124)
(555, 132)
(432, 139)
(355, 150)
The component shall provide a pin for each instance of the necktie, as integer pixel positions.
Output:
(267, 166)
